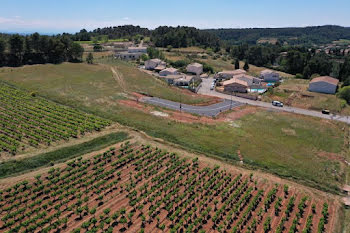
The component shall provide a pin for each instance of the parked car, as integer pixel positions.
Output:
(326, 111)
(277, 103)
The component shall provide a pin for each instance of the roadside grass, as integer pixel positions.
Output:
(284, 144)
(294, 92)
(15, 167)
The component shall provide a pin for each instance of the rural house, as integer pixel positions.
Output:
(249, 79)
(171, 78)
(324, 84)
(228, 74)
(168, 71)
(195, 68)
(152, 63)
(235, 85)
(185, 80)
(269, 76)
(133, 53)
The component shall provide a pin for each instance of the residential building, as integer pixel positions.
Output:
(269, 76)
(228, 74)
(324, 84)
(171, 78)
(249, 79)
(168, 71)
(137, 49)
(195, 68)
(185, 80)
(152, 63)
(133, 53)
(235, 85)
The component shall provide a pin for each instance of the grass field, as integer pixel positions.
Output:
(98, 80)
(294, 93)
(285, 144)
(15, 167)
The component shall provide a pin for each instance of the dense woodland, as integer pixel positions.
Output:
(125, 32)
(293, 36)
(17, 50)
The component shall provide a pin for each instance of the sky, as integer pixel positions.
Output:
(57, 16)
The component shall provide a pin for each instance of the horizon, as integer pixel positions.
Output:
(57, 33)
(65, 16)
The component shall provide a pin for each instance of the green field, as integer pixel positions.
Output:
(284, 144)
(72, 81)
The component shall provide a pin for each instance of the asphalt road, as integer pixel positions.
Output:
(210, 110)
(205, 90)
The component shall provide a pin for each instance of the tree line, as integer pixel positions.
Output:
(293, 35)
(17, 50)
(182, 37)
(297, 60)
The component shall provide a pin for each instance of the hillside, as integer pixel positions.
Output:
(293, 36)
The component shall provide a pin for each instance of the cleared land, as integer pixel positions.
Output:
(29, 121)
(139, 187)
(297, 147)
(294, 92)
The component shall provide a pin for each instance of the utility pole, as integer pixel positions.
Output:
(180, 102)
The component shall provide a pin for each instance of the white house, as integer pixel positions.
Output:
(168, 71)
(195, 68)
(183, 81)
(269, 76)
(324, 84)
(132, 53)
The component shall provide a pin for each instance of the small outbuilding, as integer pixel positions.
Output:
(324, 84)
(235, 85)
(195, 68)
(269, 76)
(168, 71)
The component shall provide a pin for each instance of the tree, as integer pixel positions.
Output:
(344, 93)
(246, 65)
(16, 50)
(76, 52)
(237, 64)
(2, 52)
(90, 58)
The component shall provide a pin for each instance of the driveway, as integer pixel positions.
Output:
(210, 110)
(205, 90)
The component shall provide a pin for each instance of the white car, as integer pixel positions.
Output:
(277, 103)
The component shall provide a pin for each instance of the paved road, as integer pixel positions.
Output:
(205, 89)
(210, 110)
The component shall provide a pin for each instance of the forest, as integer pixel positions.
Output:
(18, 50)
(293, 36)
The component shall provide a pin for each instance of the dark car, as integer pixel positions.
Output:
(325, 111)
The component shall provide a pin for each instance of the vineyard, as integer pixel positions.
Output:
(137, 188)
(29, 121)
